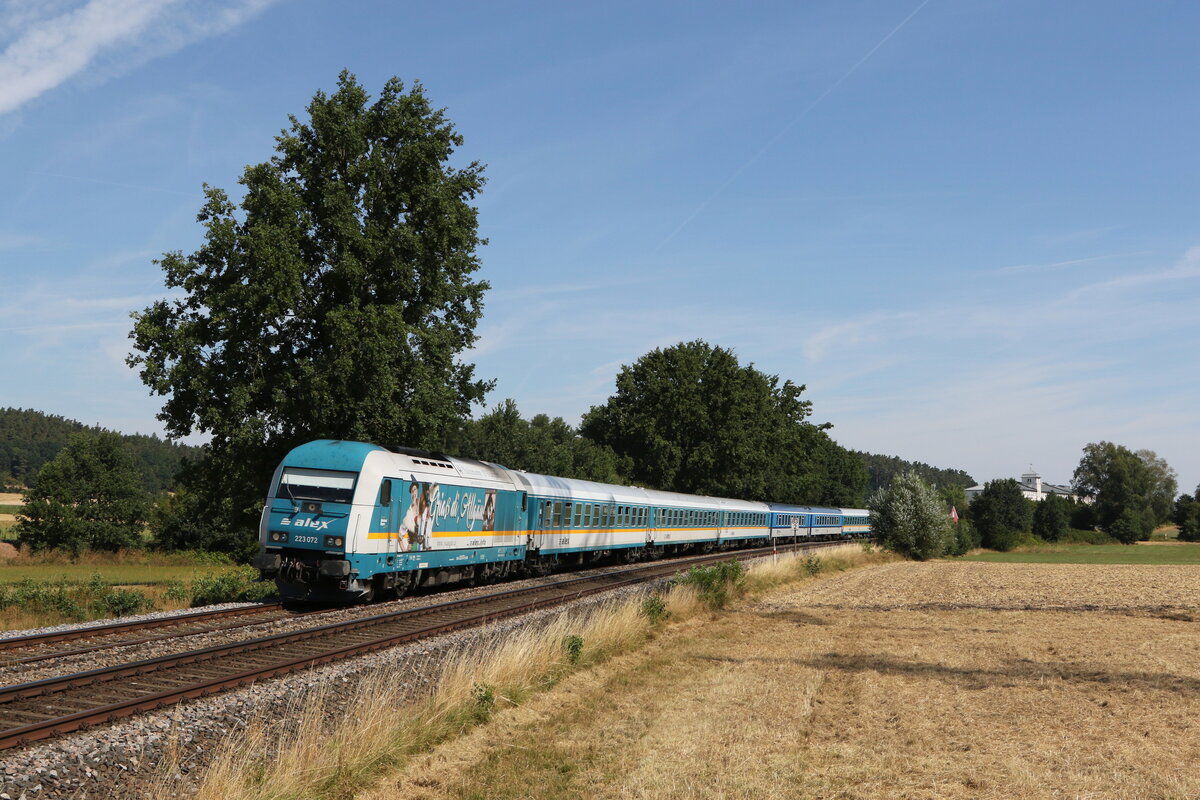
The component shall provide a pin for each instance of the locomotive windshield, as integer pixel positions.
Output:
(322, 485)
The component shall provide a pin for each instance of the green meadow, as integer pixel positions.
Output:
(1140, 553)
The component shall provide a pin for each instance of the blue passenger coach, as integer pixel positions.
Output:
(350, 520)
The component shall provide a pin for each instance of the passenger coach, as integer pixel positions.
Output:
(350, 520)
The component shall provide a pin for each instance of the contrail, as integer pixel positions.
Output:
(737, 173)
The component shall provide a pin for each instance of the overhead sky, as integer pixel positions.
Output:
(970, 228)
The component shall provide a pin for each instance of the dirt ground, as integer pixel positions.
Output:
(10, 499)
(937, 680)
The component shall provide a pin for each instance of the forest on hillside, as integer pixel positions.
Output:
(29, 439)
(881, 470)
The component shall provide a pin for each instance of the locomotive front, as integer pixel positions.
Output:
(308, 523)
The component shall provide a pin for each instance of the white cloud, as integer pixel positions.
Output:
(15, 241)
(50, 43)
(1057, 265)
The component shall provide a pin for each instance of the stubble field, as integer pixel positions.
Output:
(905, 680)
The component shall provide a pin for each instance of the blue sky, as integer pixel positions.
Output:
(970, 228)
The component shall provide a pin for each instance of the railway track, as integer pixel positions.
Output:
(42, 646)
(53, 706)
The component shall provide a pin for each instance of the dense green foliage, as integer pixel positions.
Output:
(966, 538)
(543, 445)
(334, 304)
(89, 496)
(74, 601)
(1001, 513)
(1086, 536)
(1187, 516)
(1051, 518)
(882, 469)
(237, 586)
(690, 418)
(29, 439)
(1133, 492)
(716, 584)
(910, 518)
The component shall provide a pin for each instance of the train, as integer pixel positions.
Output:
(351, 521)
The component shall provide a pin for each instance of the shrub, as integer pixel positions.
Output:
(1076, 536)
(654, 608)
(716, 584)
(74, 601)
(909, 518)
(123, 602)
(573, 645)
(812, 566)
(1131, 525)
(966, 538)
(483, 696)
(239, 586)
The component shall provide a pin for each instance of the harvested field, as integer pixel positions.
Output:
(973, 585)
(937, 680)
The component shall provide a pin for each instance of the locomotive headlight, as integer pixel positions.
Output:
(278, 536)
(334, 541)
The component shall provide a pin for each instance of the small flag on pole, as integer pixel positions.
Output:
(954, 513)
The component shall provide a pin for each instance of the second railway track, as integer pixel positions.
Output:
(78, 641)
(44, 708)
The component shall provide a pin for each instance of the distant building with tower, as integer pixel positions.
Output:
(1032, 487)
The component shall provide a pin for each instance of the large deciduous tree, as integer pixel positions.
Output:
(1132, 492)
(335, 303)
(690, 418)
(89, 496)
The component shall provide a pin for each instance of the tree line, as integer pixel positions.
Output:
(1124, 495)
(882, 470)
(30, 439)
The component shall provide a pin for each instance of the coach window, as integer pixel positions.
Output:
(557, 514)
(567, 516)
(578, 513)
